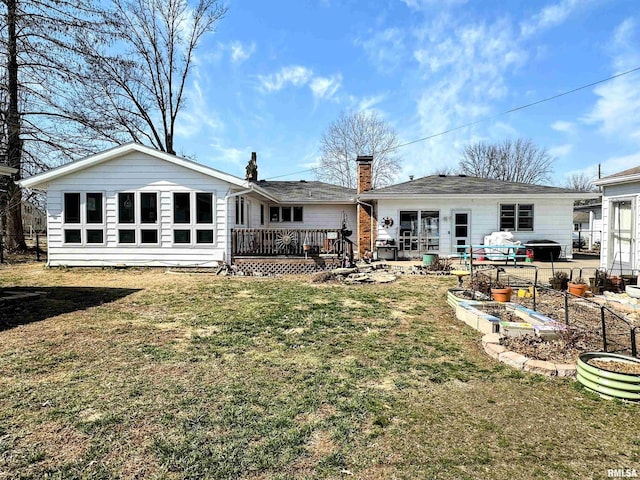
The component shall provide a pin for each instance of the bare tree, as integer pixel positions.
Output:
(581, 182)
(445, 170)
(37, 54)
(354, 134)
(515, 161)
(137, 68)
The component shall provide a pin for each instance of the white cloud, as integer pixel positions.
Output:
(197, 116)
(222, 154)
(295, 75)
(240, 52)
(563, 126)
(299, 76)
(467, 65)
(386, 48)
(618, 164)
(550, 16)
(560, 150)
(325, 87)
(617, 110)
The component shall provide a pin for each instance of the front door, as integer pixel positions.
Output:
(461, 234)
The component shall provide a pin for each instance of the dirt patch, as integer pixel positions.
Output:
(565, 349)
(618, 367)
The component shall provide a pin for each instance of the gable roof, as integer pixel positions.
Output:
(305, 191)
(454, 185)
(625, 176)
(92, 160)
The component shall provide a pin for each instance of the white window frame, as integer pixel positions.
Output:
(280, 214)
(83, 225)
(516, 223)
(193, 226)
(137, 226)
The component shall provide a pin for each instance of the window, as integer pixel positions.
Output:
(181, 208)
(148, 207)
(95, 236)
(274, 214)
(518, 217)
(420, 230)
(204, 236)
(182, 236)
(204, 203)
(285, 214)
(148, 236)
(261, 214)
(94, 207)
(240, 210)
(72, 236)
(80, 211)
(71, 208)
(126, 207)
(127, 236)
(204, 208)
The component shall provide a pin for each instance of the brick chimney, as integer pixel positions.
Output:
(365, 219)
(252, 168)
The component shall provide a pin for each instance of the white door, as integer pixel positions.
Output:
(461, 233)
(621, 256)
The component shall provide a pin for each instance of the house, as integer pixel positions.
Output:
(587, 224)
(133, 205)
(34, 220)
(619, 251)
(440, 213)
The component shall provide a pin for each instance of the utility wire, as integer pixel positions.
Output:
(485, 119)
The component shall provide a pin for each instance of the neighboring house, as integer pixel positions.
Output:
(133, 205)
(34, 220)
(620, 249)
(587, 224)
(439, 213)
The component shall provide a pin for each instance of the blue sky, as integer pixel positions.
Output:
(275, 74)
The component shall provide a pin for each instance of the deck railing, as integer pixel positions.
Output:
(286, 241)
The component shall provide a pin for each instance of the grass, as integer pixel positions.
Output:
(143, 374)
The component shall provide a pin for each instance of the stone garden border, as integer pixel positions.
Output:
(491, 345)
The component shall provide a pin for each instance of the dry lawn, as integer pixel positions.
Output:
(144, 374)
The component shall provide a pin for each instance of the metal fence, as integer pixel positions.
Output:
(36, 249)
(593, 325)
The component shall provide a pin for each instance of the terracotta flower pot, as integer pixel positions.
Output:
(501, 294)
(577, 289)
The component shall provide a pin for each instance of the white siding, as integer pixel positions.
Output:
(553, 218)
(137, 172)
(618, 192)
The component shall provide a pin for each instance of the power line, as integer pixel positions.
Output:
(485, 119)
(515, 109)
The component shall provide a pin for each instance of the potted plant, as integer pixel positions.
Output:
(577, 287)
(501, 292)
(559, 280)
(599, 281)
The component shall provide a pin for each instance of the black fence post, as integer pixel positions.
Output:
(566, 308)
(604, 330)
(37, 247)
(535, 287)
(634, 349)
(1, 249)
